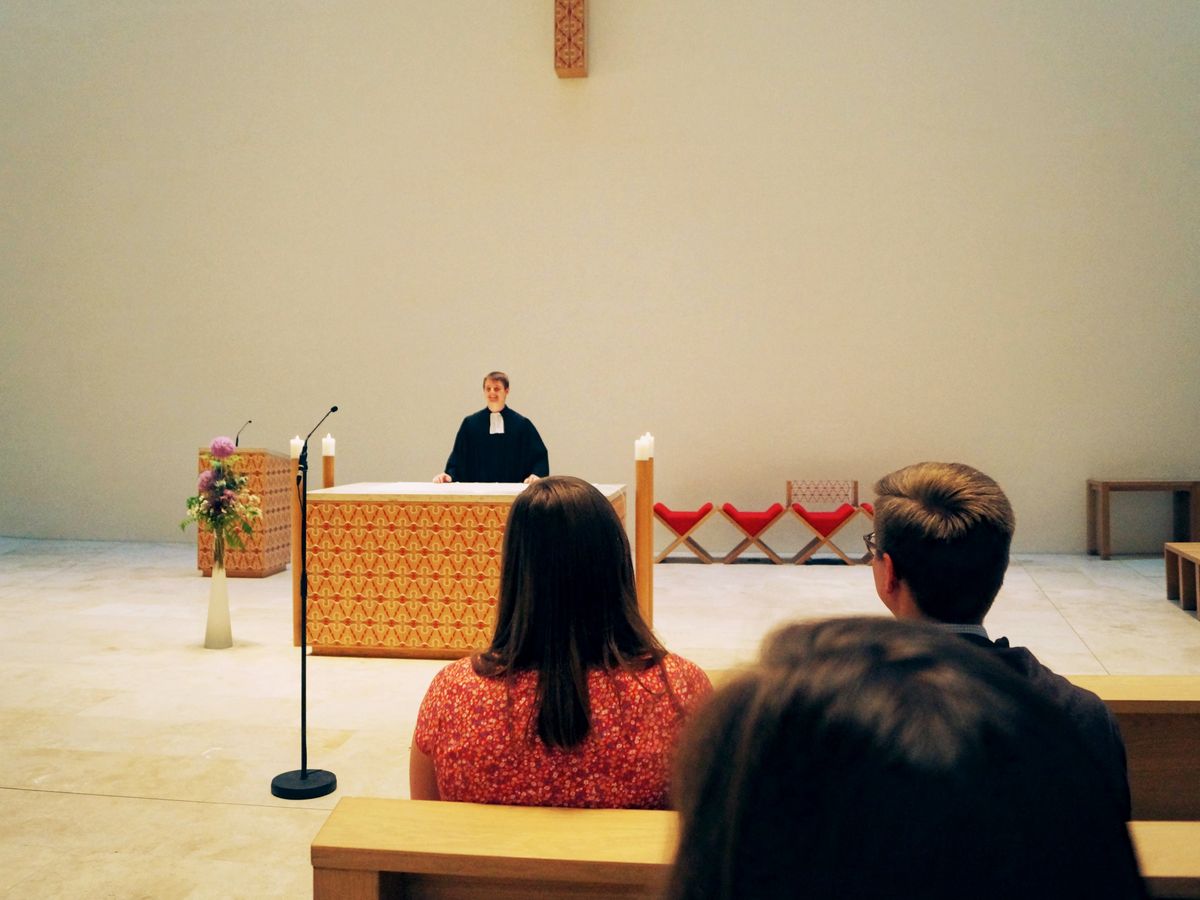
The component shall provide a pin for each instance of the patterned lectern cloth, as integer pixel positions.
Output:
(408, 569)
(269, 549)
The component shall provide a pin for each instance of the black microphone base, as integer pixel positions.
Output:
(303, 784)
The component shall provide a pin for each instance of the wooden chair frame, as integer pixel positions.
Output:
(685, 538)
(821, 492)
(822, 540)
(828, 493)
(752, 540)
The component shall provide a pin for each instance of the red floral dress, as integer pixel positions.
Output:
(481, 734)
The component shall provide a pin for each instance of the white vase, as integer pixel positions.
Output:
(219, 634)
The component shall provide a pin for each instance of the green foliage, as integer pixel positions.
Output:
(223, 505)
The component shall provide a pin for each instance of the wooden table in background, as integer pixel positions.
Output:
(1186, 509)
(408, 569)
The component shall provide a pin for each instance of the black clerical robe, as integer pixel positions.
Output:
(512, 456)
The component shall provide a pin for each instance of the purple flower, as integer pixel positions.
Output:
(222, 447)
(206, 480)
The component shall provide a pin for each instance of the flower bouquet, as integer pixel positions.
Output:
(223, 504)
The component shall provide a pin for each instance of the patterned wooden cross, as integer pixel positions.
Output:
(570, 38)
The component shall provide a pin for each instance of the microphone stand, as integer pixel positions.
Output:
(237, 437)
(304, 783)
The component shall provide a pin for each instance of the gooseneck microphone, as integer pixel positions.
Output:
(332, 410)
(238, 436)
(304, 783)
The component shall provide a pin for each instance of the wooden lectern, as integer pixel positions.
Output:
(268, 549)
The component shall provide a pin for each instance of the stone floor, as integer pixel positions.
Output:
(135, 763)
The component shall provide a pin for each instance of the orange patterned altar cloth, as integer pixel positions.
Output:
(269, 549)
(408, 569)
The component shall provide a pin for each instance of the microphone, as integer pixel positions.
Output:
(332, 409)
(237, 436)
(304, 783)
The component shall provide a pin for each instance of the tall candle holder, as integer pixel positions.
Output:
(643, 518)
(327, 457)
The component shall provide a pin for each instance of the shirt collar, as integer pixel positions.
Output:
(960, 628)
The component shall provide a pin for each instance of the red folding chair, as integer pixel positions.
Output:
(683, 524)
(824, 527)
(752, 525)
(825, 524)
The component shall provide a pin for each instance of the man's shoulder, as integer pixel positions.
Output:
(477, 416)
(511, 415)
(1091, 715)
(1048, 681)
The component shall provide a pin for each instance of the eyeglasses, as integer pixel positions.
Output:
(872, 547)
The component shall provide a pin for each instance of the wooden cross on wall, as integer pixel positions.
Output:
(570, 38)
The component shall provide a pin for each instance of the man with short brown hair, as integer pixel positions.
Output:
(939, 553)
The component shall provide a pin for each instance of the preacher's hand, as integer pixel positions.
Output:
(442, 479)
(531, 479)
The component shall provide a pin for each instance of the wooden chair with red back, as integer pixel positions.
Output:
(824, 508)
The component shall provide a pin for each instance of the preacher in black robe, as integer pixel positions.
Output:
(512, 456)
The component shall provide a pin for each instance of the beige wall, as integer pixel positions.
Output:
(792, 239)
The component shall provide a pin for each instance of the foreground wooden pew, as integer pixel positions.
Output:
(422, 850)
(419, 849)
(1167, 852)
(1159, 717)
(402, 848)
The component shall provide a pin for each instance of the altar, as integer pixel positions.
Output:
(408, 569)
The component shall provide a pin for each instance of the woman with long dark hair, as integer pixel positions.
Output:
(575, 703)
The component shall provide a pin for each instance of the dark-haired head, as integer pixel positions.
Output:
(947, 529)
(876, 758)
(567, 602)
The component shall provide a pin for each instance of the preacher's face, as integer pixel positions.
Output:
(495, 393)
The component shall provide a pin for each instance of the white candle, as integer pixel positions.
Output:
(297, 446)
(327, 443)
(641, 449)
(649, 445)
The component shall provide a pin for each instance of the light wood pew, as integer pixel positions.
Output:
(1182, 562)
(1159, 716)
(426, 850)
(1169, 857)
(422, 850)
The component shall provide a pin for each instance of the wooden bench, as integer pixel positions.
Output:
(424, 849)
(392, 848)
(421, 850)
(1183, 572)
(1159, 716)
(1185, 510)
(1159, 720)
